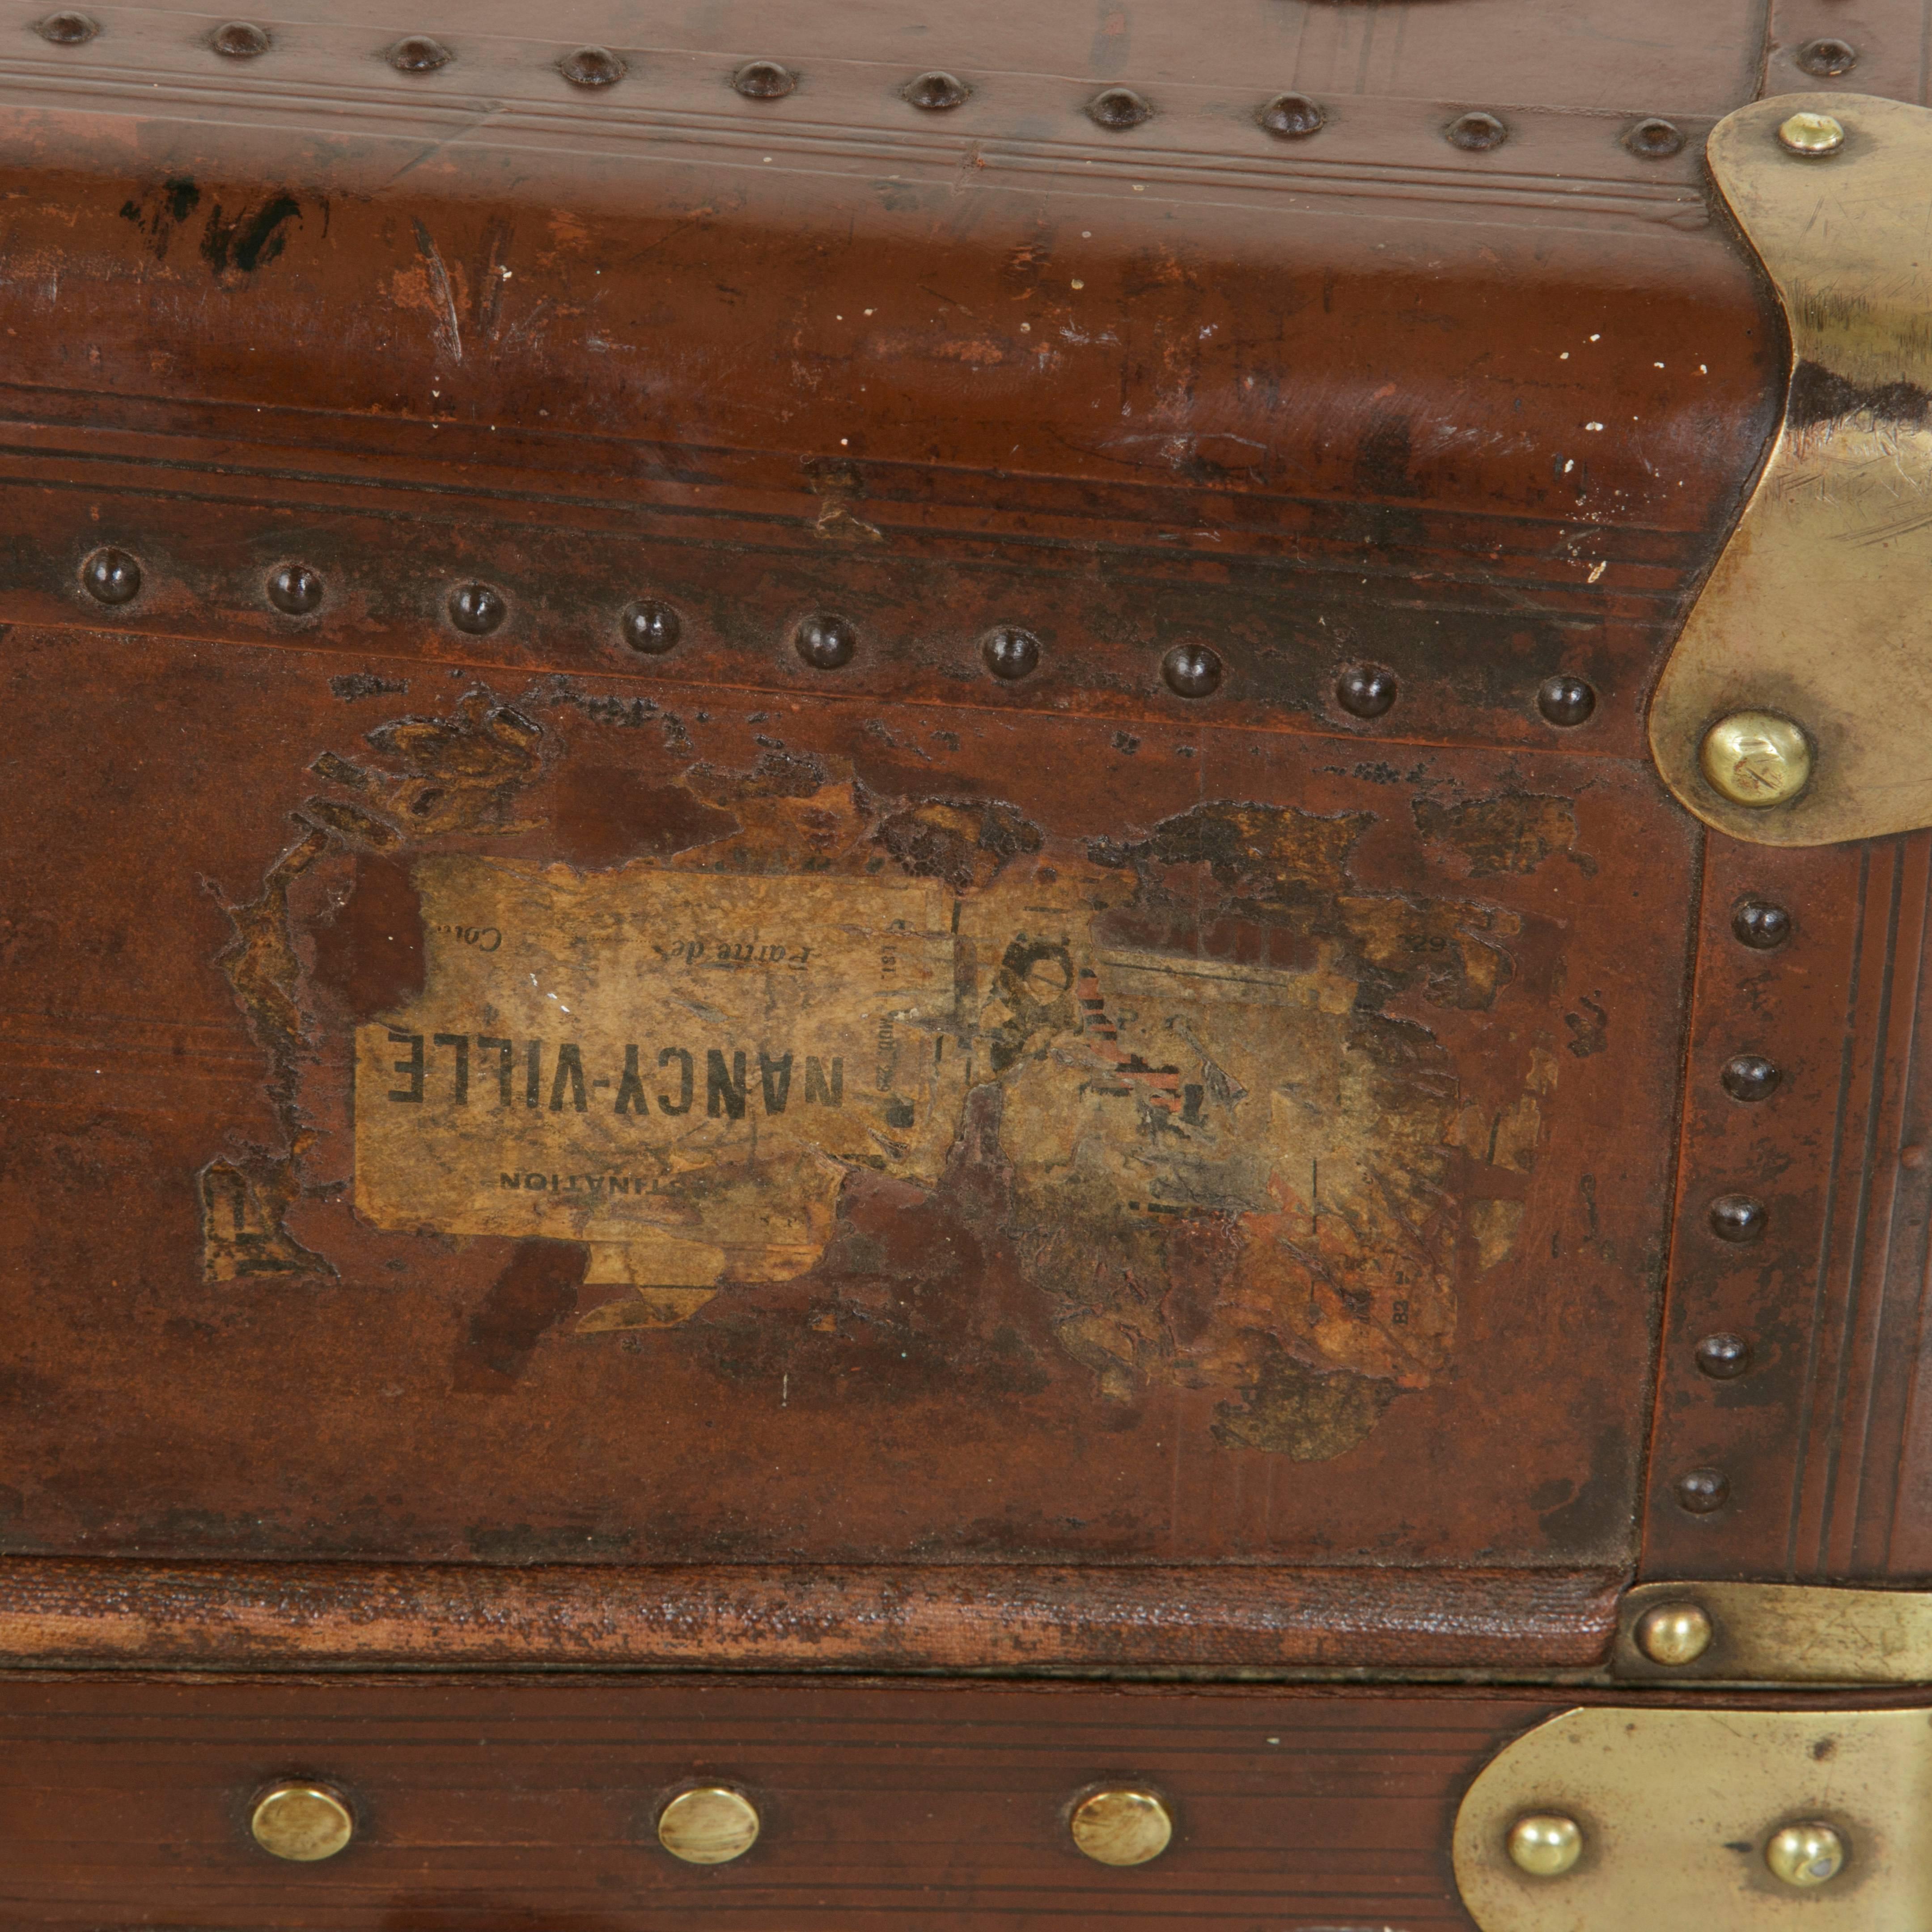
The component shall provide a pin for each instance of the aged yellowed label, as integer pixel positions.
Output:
(677, 1070)
(1210, 1150)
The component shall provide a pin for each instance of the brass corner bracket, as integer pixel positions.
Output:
(1785, 1634)
(1792, 711)
(1726, 1820)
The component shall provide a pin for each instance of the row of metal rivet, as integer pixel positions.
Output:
(306, 1822)
(1736, 1219)
(826, 641)
(1288, 116)
(1803, 1855)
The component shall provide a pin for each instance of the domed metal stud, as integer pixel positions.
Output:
(111, 577)
(66, 30)
(1121, 1827)
(1702, 1492)
(1655, 138)
(1806, 1856)
(764, 80)
(1757, 758)
(1192, 670)
(1675, 1633)
(304, 1823)
(1565, 699)
(1813, 137)
(825, 642)
(1723, 1357)
(1750, 1077)
(1476, 133)
(1119, 108)
(1738, 1217)
(592, 67)
(1545, 1844)
(1760, 924)
(711, 1825)
(1292, 117)
(477, 608)
(1826, 59)
(239, 39)
(651, 627)
(938, 91)
(294, 589)
(417, 53)
(1011, 653)
(1365, 691)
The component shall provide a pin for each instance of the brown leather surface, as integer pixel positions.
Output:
(1284, 406)
(500, 1805)
(1480, 417)
(907, 1398)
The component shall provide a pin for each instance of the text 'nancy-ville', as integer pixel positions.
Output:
(526, 1073)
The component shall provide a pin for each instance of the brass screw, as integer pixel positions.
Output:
(1121, 1828)
(1814, 135)
(1757, 758)
(1805, 1855)
(709, 1826)
(1545, 1844)
(301, 1823)
(1675, 1633)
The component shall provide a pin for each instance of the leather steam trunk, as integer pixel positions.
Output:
(832, 855)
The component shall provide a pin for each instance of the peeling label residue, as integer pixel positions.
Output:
(1223, 1167)
(459, 774)
(1186, 1085)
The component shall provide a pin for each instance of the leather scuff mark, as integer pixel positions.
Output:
(1511, 832)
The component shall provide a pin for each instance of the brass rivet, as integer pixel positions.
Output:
(1806, 1855)
(709, 1826)
(1675, 1633)
(1812, 135)
(1545, 1844)
(1757, 758)
(302, 1822)
(1121, 1828)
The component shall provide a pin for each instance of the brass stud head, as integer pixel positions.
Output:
(1675, 1633)
(301, 1823)
(1121, 1828)
(1757, 758)
(1814, 135)
(1805, 1855)
(1545, 1844)
(711, 1825)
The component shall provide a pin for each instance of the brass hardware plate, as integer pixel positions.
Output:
(1786, 1633)
(1678, 1809)
(1817, 611)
